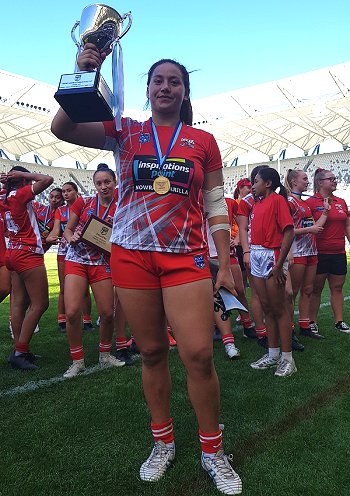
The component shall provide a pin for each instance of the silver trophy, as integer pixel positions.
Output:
(85, 96)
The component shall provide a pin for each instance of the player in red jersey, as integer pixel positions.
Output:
(45, 214)
(70, 195)
(242, 189)
(5, 278)
(332, 264)
(86, 265)
(159, 262)
(303, 253)
(272, 233)
(225, 326)
(25, 259)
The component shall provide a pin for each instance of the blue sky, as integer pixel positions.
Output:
(230, 44)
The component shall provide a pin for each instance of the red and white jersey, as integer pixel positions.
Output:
(304, 245)
(270, 217)
(144, 220)
(46, 218)
(245, 208)
(2, 242)
(232, 208)
(20, 220)
(62, 214)
(84, 207)
(332, 239)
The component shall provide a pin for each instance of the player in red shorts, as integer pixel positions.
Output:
(45, 214)
(70, 195)
(272, 233)
(303, 253)
(25, 259)
(85, 265)
(5, 278)
(332, 264)
(159, 262)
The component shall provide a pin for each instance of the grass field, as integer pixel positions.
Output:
(89, 435)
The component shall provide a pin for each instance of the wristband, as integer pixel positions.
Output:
(246, 252)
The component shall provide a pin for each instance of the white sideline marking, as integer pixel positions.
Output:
(33, 385)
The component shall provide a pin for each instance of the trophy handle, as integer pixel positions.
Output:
(72, 33)
(124, 16)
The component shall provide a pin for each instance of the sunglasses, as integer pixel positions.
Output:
(333, 179)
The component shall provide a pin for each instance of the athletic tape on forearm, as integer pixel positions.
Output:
(214, 202)
(218, 227)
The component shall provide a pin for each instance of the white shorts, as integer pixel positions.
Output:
(262, 260)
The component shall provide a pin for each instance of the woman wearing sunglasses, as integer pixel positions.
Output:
(332, 264)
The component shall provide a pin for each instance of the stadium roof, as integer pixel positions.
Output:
(302, 111)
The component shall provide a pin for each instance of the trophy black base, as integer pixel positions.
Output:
(85, 97)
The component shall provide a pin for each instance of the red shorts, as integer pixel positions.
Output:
(20, 260)
(93, 273)
(137, 269)
(310, 260)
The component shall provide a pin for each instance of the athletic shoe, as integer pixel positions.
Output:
(87, 326)
(265, 362)
(296, 344)
(249, 332)
(133, 348)
(172, 341)
(62, 326)
(37, 329)
(313, 326)
(77, 367)
(285, 368)
(21, 362)
(232, 351)
(219, 469)
(31, 357)
(124, 355)
(342, 327)
(98, 321)
(108, 360)
(311, 332)
(263, 342)
(158, 462)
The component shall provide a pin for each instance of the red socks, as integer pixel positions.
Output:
(163, 432)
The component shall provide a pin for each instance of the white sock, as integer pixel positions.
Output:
(287, 355)
(274, 352)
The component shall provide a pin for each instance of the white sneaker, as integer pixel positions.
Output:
(108, 360)
(285, 368)
(224, 477)
(158, 462)
(77, 367)
(37, 329)
(232, 351)
(265, 362)
(342, 327)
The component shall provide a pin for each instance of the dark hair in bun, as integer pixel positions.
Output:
(104, 168)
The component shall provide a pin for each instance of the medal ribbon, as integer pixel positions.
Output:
(97, 210)
(162, 158)
(47, 219)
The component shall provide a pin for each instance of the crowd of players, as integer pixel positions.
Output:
(259, 231)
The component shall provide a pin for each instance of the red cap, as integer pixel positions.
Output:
(243, 182)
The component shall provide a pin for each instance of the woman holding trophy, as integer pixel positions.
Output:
(166, 171)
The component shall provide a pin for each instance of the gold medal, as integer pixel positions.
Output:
(161, 185)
